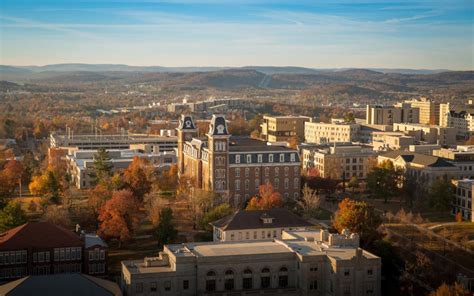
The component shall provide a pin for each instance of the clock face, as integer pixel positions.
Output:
(187, 123)
(220, 129)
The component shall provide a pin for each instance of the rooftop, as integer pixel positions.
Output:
(417, 158)
(238, 144)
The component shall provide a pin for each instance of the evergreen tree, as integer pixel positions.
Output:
(102, 166)
(165, 231)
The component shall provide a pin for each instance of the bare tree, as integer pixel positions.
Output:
(310, 201)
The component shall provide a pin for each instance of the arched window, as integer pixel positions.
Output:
(210, 281)
(283, 277)
(229, 280)
(247, 279)
(267, 171)
(265, 279)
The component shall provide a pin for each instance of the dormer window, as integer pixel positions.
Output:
(267, 220)
(249, 158)
(270, 158)
(282, 157)
(237, 159)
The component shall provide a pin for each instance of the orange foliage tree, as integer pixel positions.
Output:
(119, 216)
(358, 217)
(138, 177)
(267, 199)
(9, 178)
(169, 178)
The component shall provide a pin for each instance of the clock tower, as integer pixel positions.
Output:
(186, 130)
(218, 146)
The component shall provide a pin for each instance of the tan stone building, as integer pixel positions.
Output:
(430, 134)
(462, 157)
(283, 128)
(337, 132)
(388, 115)
(339, 161)
(463, 200)
(301, 263)
(257, 225)
(429, 110)
(235, 167)
(385, 141)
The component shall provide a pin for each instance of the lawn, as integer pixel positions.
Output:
(462, 233)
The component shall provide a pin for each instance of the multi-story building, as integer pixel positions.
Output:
(428, 110)
(257, 225)
(462, 157)
(385, 141)
(462, 121)
(367, 130)
(462, 202)
(80, 164)
(339, 162)
(301, 263)
(430, 134)
(424, 168)
(283, 128)
(235, 167)
(336, 132)
(38, 248)
(113, 141)
(388, 115)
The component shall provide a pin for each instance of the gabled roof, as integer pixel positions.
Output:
(254, 220)
(61, 284)
(38, 235)
(417, 158)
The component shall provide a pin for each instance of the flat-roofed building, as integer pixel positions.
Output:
(462, 157)
(302, 263)
(283, 128)
(257, 225)
(430, 134)
(367, 130)
(337, 132)
(339, 161)
(428, 110)
(388, 115)
(80, 163)
(386, 141)
(424, 148)
(463, 200)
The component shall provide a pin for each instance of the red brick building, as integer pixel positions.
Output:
(235, 166)
(38, 248)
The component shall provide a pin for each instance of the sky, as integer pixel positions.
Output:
(308, 33)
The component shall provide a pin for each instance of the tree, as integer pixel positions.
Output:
(102, 166)
(154, 205)
(383, 181)
(98, 196)
(358, 217)
(293, 142)
(169, 178)
(215, 214)
(267, 199)
(119, 216)
(47, 186)
(441, 194)
(446, 290)
(354, 183)
(57, 215)
(165, 231)
(138, 177)
(10, 177)
(12, 215)
(309, 201)
(349, 117)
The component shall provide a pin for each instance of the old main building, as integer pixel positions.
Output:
(235, 166)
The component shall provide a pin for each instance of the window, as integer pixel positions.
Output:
(265, 280)
(237, 185)
(237, 172)
(295, 183)
(276, 183)
(283, 277)
(247, 281)
(270, 158)
(313, 285)
(267, 172)
(153, 286)
(277, 172)
(259, 158)
(347, 273)
(286, 183)
(257, 184)
(249, 158)
(185, 285)
(247, 184)
(370, 272)
(211, 281)
(237, 159)
(282, 157)
(167, 285)
(254, 235)
(286, 170)
(229, 280)
(247, 172)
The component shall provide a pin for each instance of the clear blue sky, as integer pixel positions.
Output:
(313, 33)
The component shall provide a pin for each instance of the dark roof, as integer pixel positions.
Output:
(218, 126)
(237, 144)
(186, 122)
(59, 285)
(254, 220)
(38, 235)
(417, 158)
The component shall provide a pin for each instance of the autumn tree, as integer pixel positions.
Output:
(309, 201)
(383, 181)
(293, 142)
(138, 177)
(446, 290)
(98, 196)
(57, 215)
(358, 217)
(441, 194)
(168, 179)
(215, 214)
(349, 117)
(353, 184)
(102, 166)
(47, 185)
(165, 231)
(266, 199)
(153, 207)
(12, 215)
(10, 177)
(119, 216)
